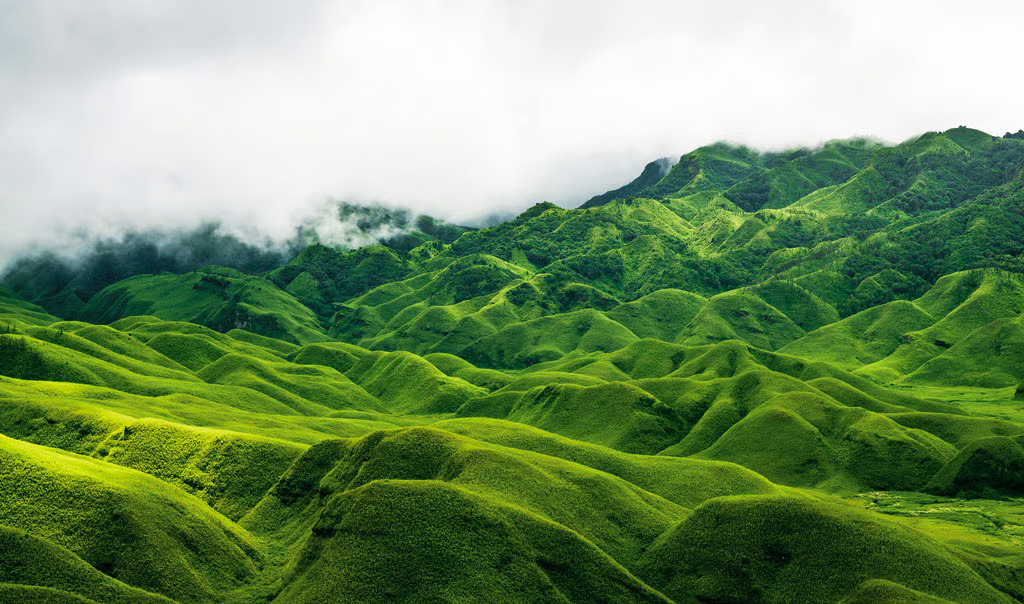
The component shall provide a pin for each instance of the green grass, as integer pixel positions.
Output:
(685, 481)
(880, 591)
(816, 442)
(16, 311)
(131, 526)
(661, 314)
(204, 297)
(863, 338)
(620, 416)
(774, 548)
(989, 357)
(451, 365)
(740, 316)
(230, 471)
(661, 396)
(861, 192)
(612, 513)
(33, 569)
(992, 466)
(548, 338)
(419, 540)
(576, 457)
(962, 303)
(406, 383)
(978, 527)
(802, 307)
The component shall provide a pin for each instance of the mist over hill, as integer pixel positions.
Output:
(743, 376)
(63, 280)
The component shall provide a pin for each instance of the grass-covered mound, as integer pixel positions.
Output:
(489, 379)
(686, 481)
(813, 441)
(962, 303)
(661, 314)
(614, 514)
(320, 274)
(741, 316)
(230, 471)
(863, 338)
(802, 307)
(547, 339)
(296, 386)
(426, 540)
(446, 308)
(133, 527)
(413, 502)
(221, 298)
(880, 591)
(36, 570)
(987, 467)
(488, 493)
(620, 416)
(406, 383)
(773, 548)
(989, 356)
(15, 310)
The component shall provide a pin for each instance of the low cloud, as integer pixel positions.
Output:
(121, 115)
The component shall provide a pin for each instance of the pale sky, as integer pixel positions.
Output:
(140, 113)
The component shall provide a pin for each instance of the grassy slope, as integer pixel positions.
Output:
(33, 569)
(658, 395)
(220, 298)
(962, 303)
(420, 540)
(645, 395)
(131, 526)
(779, 549)
(15, 311)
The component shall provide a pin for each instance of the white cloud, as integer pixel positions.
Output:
(117, 112)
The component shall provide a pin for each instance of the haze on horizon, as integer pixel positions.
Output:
(118, 114)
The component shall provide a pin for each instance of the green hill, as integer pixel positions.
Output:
(989, 467)
(421, 540)
(652, 173)
(777, 548)
(130, 526)
(217, 297)
(787, 376)
(740, 316)
(34, 569)
(863, 338)
(961, 303)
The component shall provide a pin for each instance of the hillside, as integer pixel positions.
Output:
(742, 377)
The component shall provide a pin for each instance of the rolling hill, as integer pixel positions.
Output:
(742, 377)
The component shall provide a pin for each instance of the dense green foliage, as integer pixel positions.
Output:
(743, 377)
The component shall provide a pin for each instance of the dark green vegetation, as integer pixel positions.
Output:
(64, 285)
(744, 377)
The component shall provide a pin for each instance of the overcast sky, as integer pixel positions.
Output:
(118, 113)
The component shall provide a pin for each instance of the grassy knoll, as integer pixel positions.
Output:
(128, 525)
(779, 548)
(218, 297)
